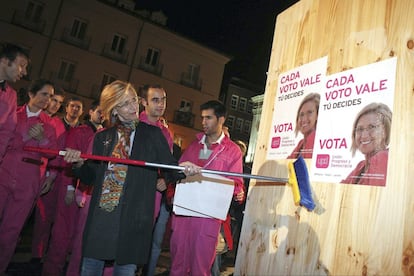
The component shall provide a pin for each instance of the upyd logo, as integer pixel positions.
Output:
(322, 161)
(275, 142)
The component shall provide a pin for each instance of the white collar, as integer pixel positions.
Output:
(218, 141)
(32, 114)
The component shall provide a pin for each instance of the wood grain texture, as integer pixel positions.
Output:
(356, 230)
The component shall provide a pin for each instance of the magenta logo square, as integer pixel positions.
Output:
(322, 161)
(275, 142)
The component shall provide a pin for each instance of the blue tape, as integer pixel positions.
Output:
(305, 190)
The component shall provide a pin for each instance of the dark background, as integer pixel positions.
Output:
(242, 30)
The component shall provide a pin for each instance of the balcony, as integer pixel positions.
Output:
(67, 85)
(35, 25)
(153, 69)
(190, 81)
(184, 118)
(73, 40)
(119, 57)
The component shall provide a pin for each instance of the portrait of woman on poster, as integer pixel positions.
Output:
(306, 119)
(371, 136)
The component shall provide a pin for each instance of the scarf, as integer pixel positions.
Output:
(115, 175)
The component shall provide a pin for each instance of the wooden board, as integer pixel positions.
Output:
(356, 230)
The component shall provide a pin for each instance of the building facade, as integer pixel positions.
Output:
(82, 45)
(238, 100)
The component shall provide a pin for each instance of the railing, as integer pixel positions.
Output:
(75, 41)
(19, 18)
(67, 85)
(109, 53)
(184, 118)
(153, 69)
(189, 81)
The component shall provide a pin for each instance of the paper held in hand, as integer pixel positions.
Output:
(204, 195)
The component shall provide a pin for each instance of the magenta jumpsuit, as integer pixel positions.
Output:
(144, 118)
(8, 119)
(20, 180)
(65, 219)
(80, 138)
(193, 240)
(46, 204)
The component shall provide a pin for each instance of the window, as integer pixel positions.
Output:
(78, 29)
(230, 122)
(239, 124)
(249, 106)
(193, 72)
(152, 57)
(118, 44)
(247, 127)
(185, 106)
(66, 70)
(234, 102)
(34, 11)
(242, 104)
(107, 79)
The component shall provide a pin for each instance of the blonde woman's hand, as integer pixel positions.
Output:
(73, 156)
(190, 168)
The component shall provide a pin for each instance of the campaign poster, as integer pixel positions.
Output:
(295, 111)
(354, 123)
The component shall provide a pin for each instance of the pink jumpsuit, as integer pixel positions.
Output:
(46, 204)
(144, 118)
(65, 215)
(8, 119)
(193, 240)
(20, 180)
(80, 138)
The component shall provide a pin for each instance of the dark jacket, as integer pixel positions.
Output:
(134, 221)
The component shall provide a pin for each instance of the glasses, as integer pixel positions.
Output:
(133, 101)
(307, 114)
(370, 129)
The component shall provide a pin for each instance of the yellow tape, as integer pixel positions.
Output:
(293, 182)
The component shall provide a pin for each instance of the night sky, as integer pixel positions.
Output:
(242, 29)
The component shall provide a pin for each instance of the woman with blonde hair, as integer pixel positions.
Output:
(120, 219)
(306, 119)
(371, 136)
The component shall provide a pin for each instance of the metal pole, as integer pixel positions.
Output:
(157, 165)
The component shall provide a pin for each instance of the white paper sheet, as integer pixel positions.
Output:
(204, 195)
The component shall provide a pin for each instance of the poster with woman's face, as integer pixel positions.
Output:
(296, 109)
(353, 133)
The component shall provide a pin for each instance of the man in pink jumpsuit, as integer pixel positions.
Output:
(20, 170)
(154, 100)
(81, 138)
(44, 212)
(13, 64)
(194, 239)
(66, 209)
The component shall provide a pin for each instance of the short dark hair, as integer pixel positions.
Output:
(218, 107)
(143, 90)
(59, 91)
(11, 51)
(94, 105)
(36, 85)
(73, 99)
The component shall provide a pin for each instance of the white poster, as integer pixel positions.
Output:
(354, 122)
(204, 195)
(295, 111)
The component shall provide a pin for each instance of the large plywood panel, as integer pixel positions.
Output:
(356, 230)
